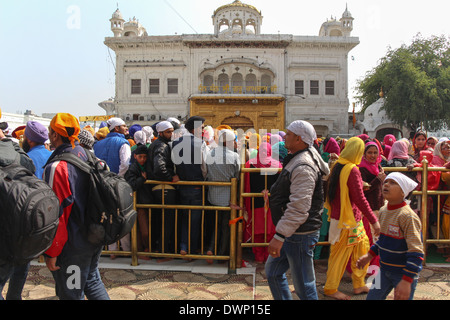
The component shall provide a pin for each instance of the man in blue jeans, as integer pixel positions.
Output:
(71, 258)
(296, 203)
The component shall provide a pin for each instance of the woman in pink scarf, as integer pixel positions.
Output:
(399, 157)
(255, 183)
(388, 141)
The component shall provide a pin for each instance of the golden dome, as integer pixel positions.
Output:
(237, 4)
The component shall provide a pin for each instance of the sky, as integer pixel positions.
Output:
(53, 57)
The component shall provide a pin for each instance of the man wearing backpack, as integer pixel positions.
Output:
(72, 259)
(10, 152)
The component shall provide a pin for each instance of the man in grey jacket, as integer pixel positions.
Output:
(296, 203)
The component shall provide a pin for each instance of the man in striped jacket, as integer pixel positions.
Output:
(72, 260)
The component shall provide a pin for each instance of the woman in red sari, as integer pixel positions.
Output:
(259, 219)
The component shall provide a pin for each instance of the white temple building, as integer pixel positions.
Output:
(237, 75)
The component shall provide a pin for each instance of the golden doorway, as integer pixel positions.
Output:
(239, 122)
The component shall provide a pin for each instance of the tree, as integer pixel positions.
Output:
(415, 80)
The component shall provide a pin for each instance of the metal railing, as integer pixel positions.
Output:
(180, 210)
(237, 213)
(424, 193)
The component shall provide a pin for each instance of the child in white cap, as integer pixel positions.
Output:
(400, 244)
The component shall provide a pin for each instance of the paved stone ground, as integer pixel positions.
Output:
(248, 284)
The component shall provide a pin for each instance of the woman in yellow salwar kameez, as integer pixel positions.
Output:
(346, 204)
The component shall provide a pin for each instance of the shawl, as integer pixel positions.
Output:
(350, 157)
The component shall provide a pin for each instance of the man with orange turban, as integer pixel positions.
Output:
(70, 246)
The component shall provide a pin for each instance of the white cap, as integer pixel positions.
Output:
(304, 130)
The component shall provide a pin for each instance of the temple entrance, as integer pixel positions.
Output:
(260, 112)
(238, 122)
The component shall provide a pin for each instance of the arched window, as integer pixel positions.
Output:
(250, 83)
(237, 26)
(223, 81)
(208, 81)
(237, 81)
(266, 81)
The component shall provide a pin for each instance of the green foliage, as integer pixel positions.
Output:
(415, 80)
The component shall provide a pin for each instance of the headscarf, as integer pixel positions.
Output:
(373, 168)
(275, 138)
(399, 150)
(363, 137)
(18, 132)
(223, 127)
(64, 121)
(163, 126)
(437, 153)
(102, 133)
(342, 144)
(36, 132)
(226, 135)
(133, 129)
(264, 157)
(419, 133)
(254, 141)
(90, 129)
(388, 141)
(350, 157)
(208, 134)
(114, 122)
(148, 133)
(332, 147)
(304, 130)
(406, 184)
(140, 137)
(279, 151)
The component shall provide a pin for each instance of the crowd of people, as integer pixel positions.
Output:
(325, 189)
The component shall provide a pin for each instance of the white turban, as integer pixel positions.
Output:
(148, 133)
(408, 185)
(170, 119)
(226, 135)
(114, 122)
(304, 130)
(140, 137)
(163, 126)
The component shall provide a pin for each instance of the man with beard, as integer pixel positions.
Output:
(35, 136)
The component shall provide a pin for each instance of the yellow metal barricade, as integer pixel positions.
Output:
(205, 209)
(424, 193)
(237, 230)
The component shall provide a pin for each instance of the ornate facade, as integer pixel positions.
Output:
(236, 75)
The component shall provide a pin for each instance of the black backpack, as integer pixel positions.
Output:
(29, 215)
(110, 213)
